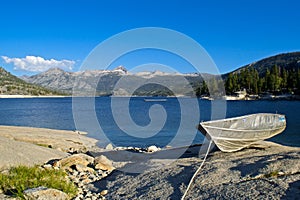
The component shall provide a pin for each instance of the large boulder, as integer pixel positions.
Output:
(103, 163)
(152, 149)
(81, 160)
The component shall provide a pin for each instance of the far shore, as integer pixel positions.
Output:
(17, 96)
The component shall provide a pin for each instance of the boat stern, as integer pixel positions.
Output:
(203, 131)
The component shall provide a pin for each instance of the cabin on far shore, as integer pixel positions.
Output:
(239, 95)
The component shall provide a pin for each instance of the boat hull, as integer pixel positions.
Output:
(234, 134)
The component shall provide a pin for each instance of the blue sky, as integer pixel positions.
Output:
(233, 32)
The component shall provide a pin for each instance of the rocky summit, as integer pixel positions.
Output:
(109, 82)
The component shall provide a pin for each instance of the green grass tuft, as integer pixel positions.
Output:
(21, 178)
(45, 145)
(272, 174)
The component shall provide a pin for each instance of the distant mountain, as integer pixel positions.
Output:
(286, 60)
(108, 82)
(55, 79)
(12, 85)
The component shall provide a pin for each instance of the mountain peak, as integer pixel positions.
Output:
(56, 69)
(121, 69)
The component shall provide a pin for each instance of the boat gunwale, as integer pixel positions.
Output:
(242, 139)
(240, 117)
(240, 130)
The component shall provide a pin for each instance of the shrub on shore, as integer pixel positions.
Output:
(18, 179)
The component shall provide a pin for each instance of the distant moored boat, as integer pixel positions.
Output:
(155, 100)
(236, 133)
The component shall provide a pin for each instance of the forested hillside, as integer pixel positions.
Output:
(277, 80)
(12, 85)
(276, 74)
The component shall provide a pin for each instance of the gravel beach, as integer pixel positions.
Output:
(263, 171)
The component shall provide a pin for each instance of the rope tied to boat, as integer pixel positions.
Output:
(198, 170)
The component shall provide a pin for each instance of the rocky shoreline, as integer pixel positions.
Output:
(265, 170)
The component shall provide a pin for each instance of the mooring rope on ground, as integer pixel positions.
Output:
(195, 174)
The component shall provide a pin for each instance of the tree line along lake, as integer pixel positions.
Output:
(57, 113)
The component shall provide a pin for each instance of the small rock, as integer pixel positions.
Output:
(152, 149)
(82, 168)
(71, 150)
(83, 176)
(56, 164)
(86, 181)
(71, 176)
(281, 173)
(80, 191)
(75, 173)
(120, 148)
(80, 184)
(103, 163)
(47, 166)
(104, 192)
(80, 132)
(43, 193)
(5, 172)
(109, 147)
(92, 176)
(88, 194)
(56, 168)
(137, 149)
(77, 198)
(94, 198)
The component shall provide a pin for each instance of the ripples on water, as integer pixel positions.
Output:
(56, 113)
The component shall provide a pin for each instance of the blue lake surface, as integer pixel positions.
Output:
(56, 113)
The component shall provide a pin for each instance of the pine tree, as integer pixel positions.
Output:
(229, 85)
(236, 85)
(254, 81)
(204, 89)
(284, 82)
(275, 78)
(267, 82)
(260, 85)
(292, 80)
(298, 79)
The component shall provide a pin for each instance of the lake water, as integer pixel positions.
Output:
(56, 113)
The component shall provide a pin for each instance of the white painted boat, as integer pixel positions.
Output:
(236, 133)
